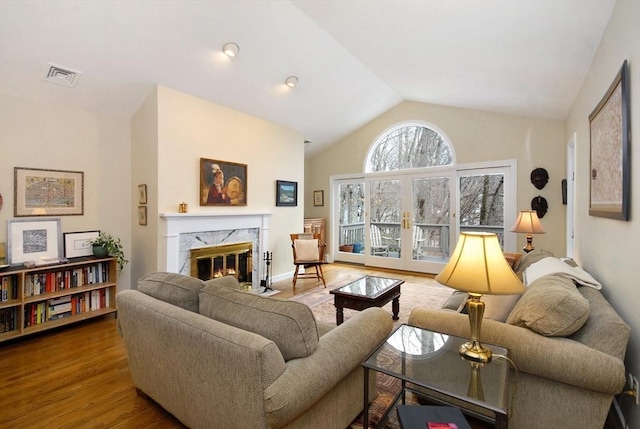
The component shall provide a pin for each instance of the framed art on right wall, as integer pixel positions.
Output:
(609, 132)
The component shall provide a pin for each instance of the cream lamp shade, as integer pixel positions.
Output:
(528, 223)
(478, 266)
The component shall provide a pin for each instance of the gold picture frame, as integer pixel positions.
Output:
(42, 192)
(142, 194)
(222, 183)
(142, 215)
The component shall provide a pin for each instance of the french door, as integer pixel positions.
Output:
(411, 220)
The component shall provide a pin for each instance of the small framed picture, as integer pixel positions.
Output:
(142, 194)
(286, 193)
(142, 215)
(78, 244)
(33, 240)
(318, 198)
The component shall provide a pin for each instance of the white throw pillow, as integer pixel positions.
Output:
(306, 250)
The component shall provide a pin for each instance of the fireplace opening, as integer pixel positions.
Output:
(223, 260)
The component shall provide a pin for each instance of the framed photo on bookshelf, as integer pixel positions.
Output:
(40, 192)
(77, 244)
(33, 240)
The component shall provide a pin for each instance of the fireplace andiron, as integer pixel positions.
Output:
(267, 282)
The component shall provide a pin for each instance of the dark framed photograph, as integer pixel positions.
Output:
(222, 183)
(33, 240)
(78, 244)
(142, 194)
(40, 192)
(318, 198)
(142, 215)
(610, 131)
(286, 193)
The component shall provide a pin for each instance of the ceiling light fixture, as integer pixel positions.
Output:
(231, 49)
(291, 81)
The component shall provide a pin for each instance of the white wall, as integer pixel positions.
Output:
(190, 128)
(62, 138)
(608, 248)
(476, 137)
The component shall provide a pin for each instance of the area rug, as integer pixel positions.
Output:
(428, 293)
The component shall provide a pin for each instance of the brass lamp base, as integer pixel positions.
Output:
(473, 350)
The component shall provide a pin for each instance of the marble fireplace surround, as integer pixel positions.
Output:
(180, 232)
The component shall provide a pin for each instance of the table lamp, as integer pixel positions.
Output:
(528, 223)
(478, 267)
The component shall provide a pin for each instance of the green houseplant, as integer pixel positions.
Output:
(106, 245)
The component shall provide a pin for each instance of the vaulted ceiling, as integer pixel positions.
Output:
(355, 59)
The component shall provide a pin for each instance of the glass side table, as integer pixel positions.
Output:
(429, 366)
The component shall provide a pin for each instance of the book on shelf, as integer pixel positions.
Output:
(8, 317)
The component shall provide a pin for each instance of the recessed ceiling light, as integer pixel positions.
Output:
(231, 49)
(291, 81)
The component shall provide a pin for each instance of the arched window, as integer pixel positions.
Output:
(409, 146)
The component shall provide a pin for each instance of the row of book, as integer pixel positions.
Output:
(9, 288)
(39, 283)
(8, 318)
(52, 309)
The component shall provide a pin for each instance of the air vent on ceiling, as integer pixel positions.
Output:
(61, 75)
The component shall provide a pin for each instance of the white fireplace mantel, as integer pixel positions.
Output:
(174, 224)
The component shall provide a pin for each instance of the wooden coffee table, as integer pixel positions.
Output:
(366, 292)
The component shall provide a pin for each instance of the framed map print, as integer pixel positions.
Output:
(39, 192)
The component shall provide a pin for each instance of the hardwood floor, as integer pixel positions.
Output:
(77, 376)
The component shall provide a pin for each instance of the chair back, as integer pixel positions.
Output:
(308, 236)
(376, 237)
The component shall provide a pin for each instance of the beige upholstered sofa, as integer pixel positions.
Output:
(217, 357)
(567, 342)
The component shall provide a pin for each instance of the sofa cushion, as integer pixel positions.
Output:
(498, 307)
(176, 289)
(551, 306)
(530, 258)
(289, 324)
(227, 281)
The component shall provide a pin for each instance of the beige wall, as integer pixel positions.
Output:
(63, 138)
(190, 128)
(144, 161)
(476, 137)
(608, 248)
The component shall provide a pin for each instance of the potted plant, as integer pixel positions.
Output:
(106, 245)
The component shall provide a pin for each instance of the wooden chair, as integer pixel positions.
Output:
(378, 248)
(308, 251)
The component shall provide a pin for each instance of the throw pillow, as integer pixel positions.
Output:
(176, 289)
(289, 324)
(551, 306)
(307, 250)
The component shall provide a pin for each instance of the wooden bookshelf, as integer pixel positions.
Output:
(36, 299)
